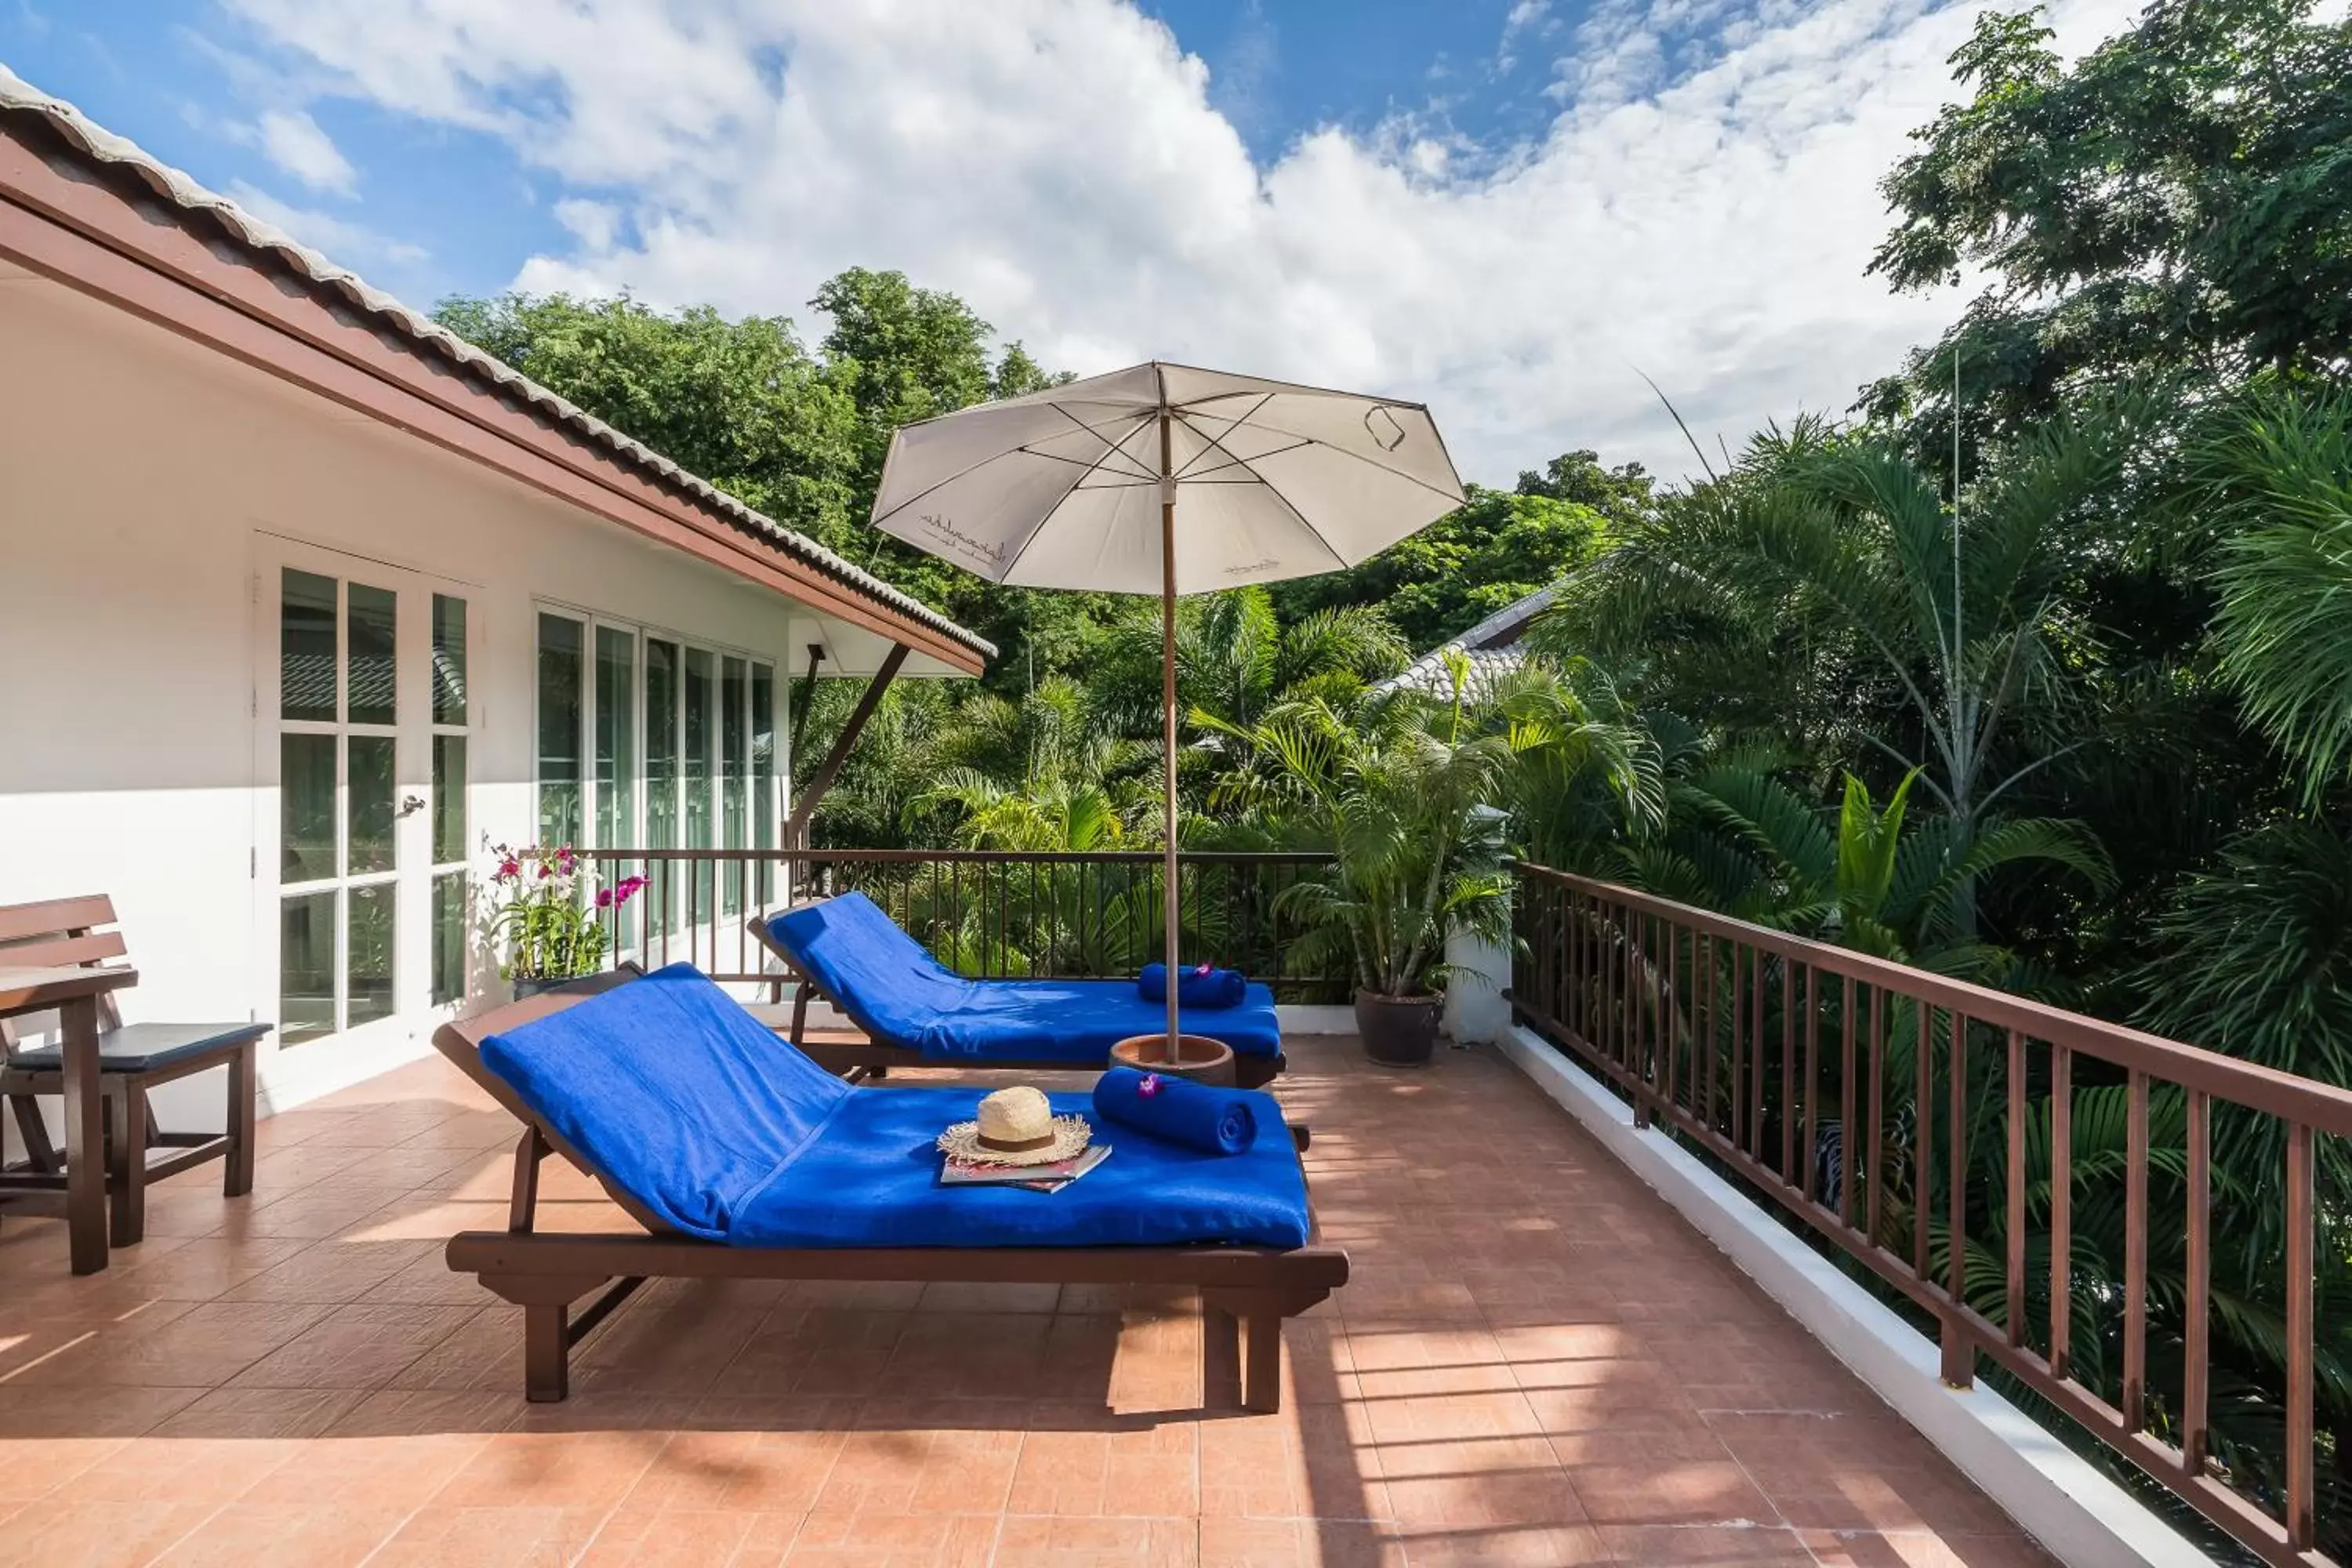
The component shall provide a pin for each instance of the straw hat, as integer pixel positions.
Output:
(1016, 1127)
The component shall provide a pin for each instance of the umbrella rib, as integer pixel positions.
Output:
(1233, 462)
(879, 518)
(1109, 448)
(1110, 445)
(1399, 473)
(1090, 465)
(1215, 445)
(1275, 490)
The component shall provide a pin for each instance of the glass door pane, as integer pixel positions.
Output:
(306, 808)
(449, 659)
(448, 977)
(701, 735)
(616, 764)
(306, 646)
(763, 776)
(445, 944)
(734, 773)
(371, 783)
(306, 967)
(661, 777)
(561, 657)
(448, 906)
(368, 967)
(373, 691)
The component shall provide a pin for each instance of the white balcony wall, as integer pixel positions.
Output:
(144, 481)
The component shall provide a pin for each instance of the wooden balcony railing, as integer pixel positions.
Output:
(1862, 1096)
(988, 914)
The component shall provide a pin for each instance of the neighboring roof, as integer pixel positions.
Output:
(1492, 646)
(424, 336)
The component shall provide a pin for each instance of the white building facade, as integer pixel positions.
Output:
(301, 609)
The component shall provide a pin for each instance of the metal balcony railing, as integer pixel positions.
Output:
(987, 914)
(2042, 1185)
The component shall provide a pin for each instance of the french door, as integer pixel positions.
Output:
(362, 738)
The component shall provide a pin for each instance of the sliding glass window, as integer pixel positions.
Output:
(562, 656)
(617, 763)
(662, 676)
(648, 742)
(735, 773)
(763, 776)
(701, 736)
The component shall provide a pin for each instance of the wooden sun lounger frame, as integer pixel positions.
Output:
(871, 1059)
(1245, 1291)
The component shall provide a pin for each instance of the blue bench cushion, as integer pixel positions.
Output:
(678, 1097)
(146, 1047)
(892, 988)
(672, 1092)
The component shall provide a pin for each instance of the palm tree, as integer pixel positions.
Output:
(1874, 879)
(2276, 479)
(1827, 578)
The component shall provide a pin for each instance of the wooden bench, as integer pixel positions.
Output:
(133, 1059)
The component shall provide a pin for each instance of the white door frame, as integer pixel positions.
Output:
(412, 1013)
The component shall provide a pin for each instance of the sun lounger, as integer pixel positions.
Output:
(915, 1011)
(743, 1159)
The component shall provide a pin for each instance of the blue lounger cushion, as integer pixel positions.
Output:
(871, 1179)
(1198, 1116)
(679, 1098)
(892, 988)
(1216, 988)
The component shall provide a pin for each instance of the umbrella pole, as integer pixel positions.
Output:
(1170, 901)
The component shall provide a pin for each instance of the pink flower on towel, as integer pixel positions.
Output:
(1202, 970)
(1149, 1086)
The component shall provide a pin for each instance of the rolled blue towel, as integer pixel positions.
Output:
(1217, 988)
(1214, 1120)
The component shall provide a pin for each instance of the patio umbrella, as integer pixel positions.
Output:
(1166, 479)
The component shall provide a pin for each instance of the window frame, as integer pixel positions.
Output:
(642, 784)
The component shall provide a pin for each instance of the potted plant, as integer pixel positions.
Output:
(1400, 789)
(551, 915)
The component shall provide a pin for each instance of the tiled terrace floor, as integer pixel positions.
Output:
(1537, 1362)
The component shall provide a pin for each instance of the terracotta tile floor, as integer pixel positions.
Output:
(1537, 1362)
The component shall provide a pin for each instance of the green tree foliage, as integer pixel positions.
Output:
(2171, 208)
(1498, 549)
(741, 403)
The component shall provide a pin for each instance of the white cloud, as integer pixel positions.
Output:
(342, 241)
(293, 140)
(1700, 210)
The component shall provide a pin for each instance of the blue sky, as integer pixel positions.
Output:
(178, 76)
(1514, 209)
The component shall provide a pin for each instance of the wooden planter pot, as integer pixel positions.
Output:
(1398, 1031)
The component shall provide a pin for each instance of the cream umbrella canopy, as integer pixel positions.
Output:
(1166, 479)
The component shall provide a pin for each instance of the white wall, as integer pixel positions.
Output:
(139, 477)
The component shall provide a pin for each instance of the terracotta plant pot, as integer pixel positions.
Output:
(1198, 1058)
(1398, 1031)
